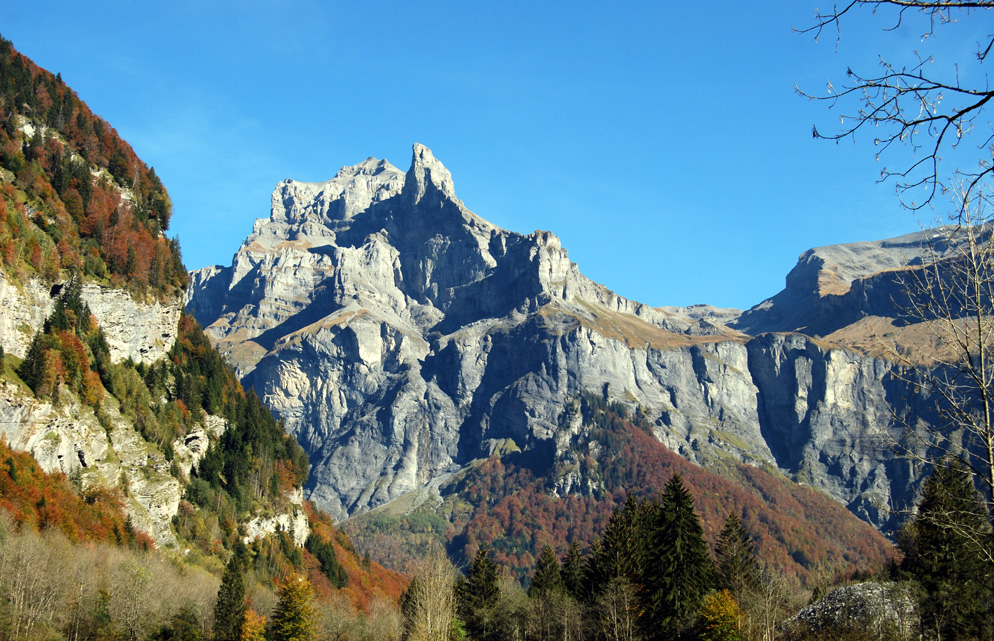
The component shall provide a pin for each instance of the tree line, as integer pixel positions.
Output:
(652, 576)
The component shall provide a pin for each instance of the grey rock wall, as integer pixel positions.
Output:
(401, 336)
(141, 331)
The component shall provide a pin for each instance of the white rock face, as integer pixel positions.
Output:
(401, 336)
(143, 332)
(189, 449)
(293, 522)
(22, 312)
(68, 438)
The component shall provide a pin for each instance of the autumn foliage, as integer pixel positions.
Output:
(795, 528)
(507, 503)
(74, 195)
(41, 501)
(367, 580)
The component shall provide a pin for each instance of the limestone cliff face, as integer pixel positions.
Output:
(400, 336)
(67, 437)
(143, 332)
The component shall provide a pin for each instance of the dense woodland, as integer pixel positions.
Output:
(652, 575)
(508, 503)
(78, 206)
(65, 542)
(74, 195)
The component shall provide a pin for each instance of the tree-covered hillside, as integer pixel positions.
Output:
(75, 197)
(510, 504)
(76, 207)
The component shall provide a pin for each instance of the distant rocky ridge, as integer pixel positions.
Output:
(401, 336)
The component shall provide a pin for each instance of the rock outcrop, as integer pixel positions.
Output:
(293, 521)
(143, 332)
(401, 336)
(67, 436)
(865, 610)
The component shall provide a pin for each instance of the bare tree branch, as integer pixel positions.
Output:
(952, 292)
(914, 106)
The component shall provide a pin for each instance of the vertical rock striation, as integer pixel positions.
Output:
(401, 336)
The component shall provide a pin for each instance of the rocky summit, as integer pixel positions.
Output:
(401, 337)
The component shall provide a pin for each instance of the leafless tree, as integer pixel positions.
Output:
(382, 622)
(952, 294)
(337, 619)
(33, 583)
(921, 104)
(766, 607)
(430, 602)
(618, 609)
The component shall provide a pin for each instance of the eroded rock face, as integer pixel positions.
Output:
(68, 438)
(293, 521)
(143, 332)
(400, 336)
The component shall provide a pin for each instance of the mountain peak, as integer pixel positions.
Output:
(428, 181)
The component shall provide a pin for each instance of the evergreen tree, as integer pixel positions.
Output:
(229, 610)
(680, 570)
(478, 595)
(548, 577)
(621, 549)
(31, 367)
(943, 553)
(324, 552)
(572, 571)
(737, 567)
(294, 618)
(184, 626)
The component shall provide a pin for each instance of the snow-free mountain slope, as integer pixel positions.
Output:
(401, 336)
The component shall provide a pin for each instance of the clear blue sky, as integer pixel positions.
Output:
(662, 142)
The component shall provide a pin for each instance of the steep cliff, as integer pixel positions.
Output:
(400, 337)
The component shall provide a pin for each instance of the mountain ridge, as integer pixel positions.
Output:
(402, 336)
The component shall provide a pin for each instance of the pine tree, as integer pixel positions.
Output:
(294, 618)
(572, 571)
(943, 552)
(478, 595)
(30, 368)
(229, 610)
(679, 567)
(737, 568)
(547, 578)
(621, 550)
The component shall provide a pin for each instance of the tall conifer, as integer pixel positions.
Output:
(478, 595)
(229, 610)
(943, 552)
(294, 617)
(679, 570)
(737, 568)
(621, 549)
(548, 578)
(572, 571)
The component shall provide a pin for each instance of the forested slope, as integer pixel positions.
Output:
(160, 471)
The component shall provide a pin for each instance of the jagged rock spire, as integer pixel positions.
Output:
(427, 180)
